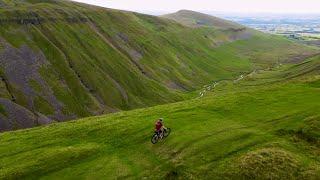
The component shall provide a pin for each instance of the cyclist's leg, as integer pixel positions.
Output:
(161, 133)
(158, 133)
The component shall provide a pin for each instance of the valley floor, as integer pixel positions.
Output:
(264, 126)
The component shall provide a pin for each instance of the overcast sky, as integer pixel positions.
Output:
(242, 6)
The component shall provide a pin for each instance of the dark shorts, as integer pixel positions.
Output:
(159, 132)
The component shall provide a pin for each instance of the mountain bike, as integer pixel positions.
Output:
(156, 137)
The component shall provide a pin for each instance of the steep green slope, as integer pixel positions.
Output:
(196, 19)
(265, 126)
(61, 60)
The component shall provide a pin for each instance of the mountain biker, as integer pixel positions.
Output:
(159, 127)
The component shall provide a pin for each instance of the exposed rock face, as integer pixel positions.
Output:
(240, 34)
(20, 68)
(32, 18)
(234, 35)
(176, 86)
(122, 41)
(14, 116)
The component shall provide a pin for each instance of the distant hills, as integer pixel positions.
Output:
(196, 19)
(61, 60)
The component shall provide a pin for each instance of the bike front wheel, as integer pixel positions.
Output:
(166, 132)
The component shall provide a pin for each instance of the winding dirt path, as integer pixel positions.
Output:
(212, 86)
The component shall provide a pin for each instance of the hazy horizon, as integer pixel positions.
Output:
(245, 7)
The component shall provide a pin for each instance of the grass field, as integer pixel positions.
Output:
(265, 126)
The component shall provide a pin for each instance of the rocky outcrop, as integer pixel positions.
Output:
(14, 116)
(21, 67)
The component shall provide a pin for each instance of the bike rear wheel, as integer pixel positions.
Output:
(166, 132)
(154, 139)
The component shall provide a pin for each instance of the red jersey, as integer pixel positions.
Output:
(158, 125)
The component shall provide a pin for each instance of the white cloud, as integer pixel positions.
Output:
(247, 6)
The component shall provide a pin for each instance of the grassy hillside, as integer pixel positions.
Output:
(265, 126)
(61, 60)
(196, 19)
